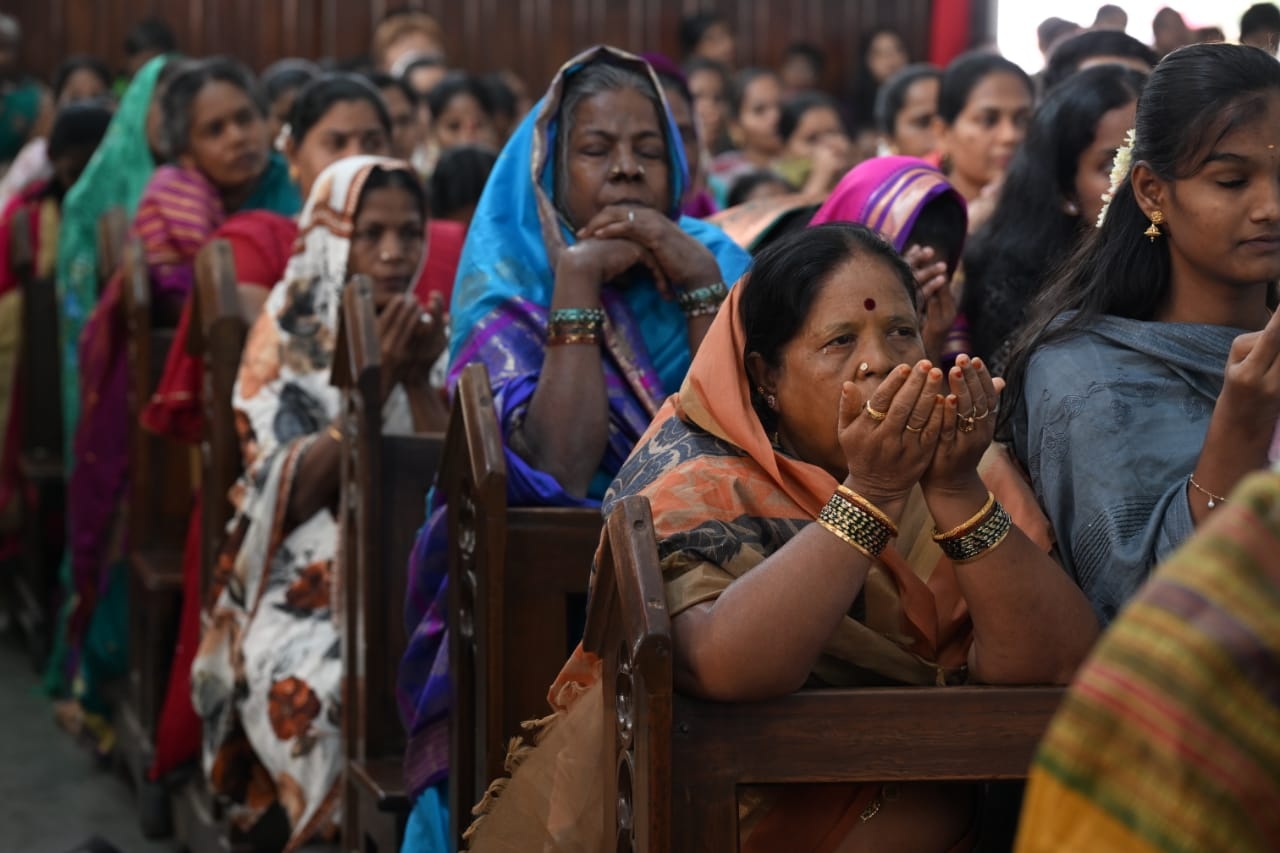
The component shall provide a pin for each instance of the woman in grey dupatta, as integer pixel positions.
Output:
(1148, 383)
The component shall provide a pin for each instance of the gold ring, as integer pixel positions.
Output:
(910, 428)
(967, 423)
(875, 416)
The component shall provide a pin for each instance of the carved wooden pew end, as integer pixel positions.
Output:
(385, 479)
(514, 576)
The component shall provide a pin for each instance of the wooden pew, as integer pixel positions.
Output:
(42, 504)
(159, 506)
(385, 479)
(672, 765)
(516, 575)
(216, 336)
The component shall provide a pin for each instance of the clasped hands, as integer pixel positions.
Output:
(909, 431)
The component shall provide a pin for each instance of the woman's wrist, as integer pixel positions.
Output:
(576, 286)
(951, 504)
(890, 503)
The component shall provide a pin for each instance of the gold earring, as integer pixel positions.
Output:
(293, 173)
(1157, 218)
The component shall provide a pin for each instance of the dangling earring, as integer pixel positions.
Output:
(1157, 219)
(769, 400)
(293, 173)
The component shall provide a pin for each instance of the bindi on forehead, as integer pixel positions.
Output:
(869, 304)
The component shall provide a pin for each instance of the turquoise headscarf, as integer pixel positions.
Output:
(516, 231)
(116, 176)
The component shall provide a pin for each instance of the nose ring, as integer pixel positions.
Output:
(385, 256)
(863, 368)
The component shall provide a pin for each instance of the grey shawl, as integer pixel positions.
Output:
(1110, 426)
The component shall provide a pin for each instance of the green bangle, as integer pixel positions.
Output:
(702, 300)
(576, 317)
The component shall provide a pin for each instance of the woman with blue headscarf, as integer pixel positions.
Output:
(585, 294)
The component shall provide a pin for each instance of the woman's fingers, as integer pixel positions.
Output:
(973, 384)
(850, 406)
(884, 395)
(922, 412)
(623, 222)
(904, 401)
(1266, 346)
(950, 418)
(960, 389)
(989, 394)
(606, 216)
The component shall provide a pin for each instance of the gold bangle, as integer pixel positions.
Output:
(334, 433)
(1214, 500)
(573, 338)
(855, 498)
(967, 526)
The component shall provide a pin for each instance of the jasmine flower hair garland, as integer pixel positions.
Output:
(1119, 171)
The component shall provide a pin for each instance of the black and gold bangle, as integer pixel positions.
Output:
(970, 525)
(858, 500)
(976, 543)
(855, 525)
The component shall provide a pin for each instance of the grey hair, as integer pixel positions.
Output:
(596, 79)
(186, 84)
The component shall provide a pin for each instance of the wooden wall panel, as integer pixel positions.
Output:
(533, 37)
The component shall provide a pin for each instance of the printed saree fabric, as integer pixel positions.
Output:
(267, 678)
(887, 194)
(500, 304)
(1169, 738)
(724, 500)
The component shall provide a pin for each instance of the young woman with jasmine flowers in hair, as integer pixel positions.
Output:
(1147, 384)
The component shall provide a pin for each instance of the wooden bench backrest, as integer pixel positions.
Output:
(385, 479)
(216, 335)
(672, 765)
(41, 359)
(514, 576)
(160, 470)
(113, 233)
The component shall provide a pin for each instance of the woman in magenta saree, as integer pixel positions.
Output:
(508, 281)
(181, 207)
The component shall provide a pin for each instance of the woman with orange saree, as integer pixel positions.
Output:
(810, 399)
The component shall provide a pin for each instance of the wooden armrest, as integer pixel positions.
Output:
(383, 780)
(159, 569)
(871, 733)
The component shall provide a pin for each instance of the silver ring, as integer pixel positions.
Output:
(631, 216)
